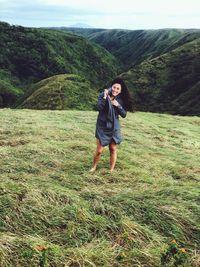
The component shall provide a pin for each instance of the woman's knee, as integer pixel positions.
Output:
(99, 152)
(99, 148)
(113, 148)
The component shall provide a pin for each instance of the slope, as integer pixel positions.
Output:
(169, 82)
(64, 91)
(132, 47)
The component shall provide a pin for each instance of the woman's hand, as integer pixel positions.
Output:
(114, 103)
(105, 93)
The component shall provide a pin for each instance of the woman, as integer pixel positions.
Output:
(111, 103)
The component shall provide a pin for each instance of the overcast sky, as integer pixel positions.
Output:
(125, 14)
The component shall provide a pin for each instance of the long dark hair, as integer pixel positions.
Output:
(125, 95)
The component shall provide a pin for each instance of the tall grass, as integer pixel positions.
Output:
(128, 218)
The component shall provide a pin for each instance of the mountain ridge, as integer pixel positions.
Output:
(29, 55)
(134, 46)
(158, 84)
(161, 73)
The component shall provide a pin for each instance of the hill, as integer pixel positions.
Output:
(164, 76)
(169, 83)
(29, 55)
(10, 89)
(64, 91)
(132, 47)
(53, 211)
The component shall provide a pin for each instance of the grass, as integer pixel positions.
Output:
(128, 218)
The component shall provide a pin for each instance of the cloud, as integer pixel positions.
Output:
(39, 13)
(132, 6)
(130, 14)
(146, 21)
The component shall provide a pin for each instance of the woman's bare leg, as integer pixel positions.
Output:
(97, 155)
(113, 155)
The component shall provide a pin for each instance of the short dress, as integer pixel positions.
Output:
(107, 125)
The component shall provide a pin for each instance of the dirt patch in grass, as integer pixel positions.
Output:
(13, 142)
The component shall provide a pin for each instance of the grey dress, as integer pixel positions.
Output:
(107, 125)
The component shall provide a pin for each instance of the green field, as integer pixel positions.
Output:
(127, 218)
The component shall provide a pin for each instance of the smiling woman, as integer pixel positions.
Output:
(111, 103)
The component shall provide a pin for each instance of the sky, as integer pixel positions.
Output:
(108, 14)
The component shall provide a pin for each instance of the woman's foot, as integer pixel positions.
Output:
(93, 169)
(111, 170)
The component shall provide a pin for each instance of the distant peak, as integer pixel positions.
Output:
(80, 25)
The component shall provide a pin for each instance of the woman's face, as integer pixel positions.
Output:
(116, 89)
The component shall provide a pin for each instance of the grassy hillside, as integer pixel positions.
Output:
(54, 212)
(64, 91)
(169, 83)
(132, 47)
(29, 55)
(10, 89)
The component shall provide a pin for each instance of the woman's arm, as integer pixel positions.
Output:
(101, 102)
(121, 111)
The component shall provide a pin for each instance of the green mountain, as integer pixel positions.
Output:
(10, 89)
(168, 83)
(29, 55)
(55, 213)
(188, 102)
(64, 91)
(161, 67)
(165, 74)
(132, 47)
